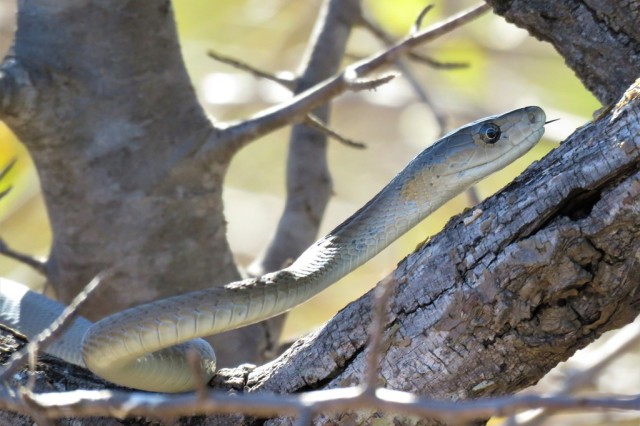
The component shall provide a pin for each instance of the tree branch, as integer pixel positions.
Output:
(233, 136)
(315, 123)
(122, 404)
(37, 265)
(281, 78)
(605, 39)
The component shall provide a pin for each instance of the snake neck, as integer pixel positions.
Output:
(398, 207)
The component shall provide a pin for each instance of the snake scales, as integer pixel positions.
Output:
(144, 347)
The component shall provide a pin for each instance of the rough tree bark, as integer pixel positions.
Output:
(541, 269)
(597, 38)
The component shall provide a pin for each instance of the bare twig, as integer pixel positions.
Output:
(418, 24)
(434, 63)
(23, 258)
(233, 136)
(388, 40)
(378, 321)
(357, 84)
(7, 168)
(53, 331)
(317, 124)
(421, 58)
(3, 173)
(195, 362)
(280, 78)
(422, 95)
(121, 404)
(288, 83)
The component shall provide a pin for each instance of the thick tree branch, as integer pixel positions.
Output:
(599, 40)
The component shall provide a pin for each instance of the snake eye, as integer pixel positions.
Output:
(490, 133)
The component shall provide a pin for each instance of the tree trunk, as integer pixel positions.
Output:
(115, 130)
(487, 307)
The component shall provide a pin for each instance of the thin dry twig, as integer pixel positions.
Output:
(388, 40)
(288, 83)
(53, 331)
(121, 404)
(378, 321)
(418, 24)
(440, 117)
(3, 173)
(316, 123)
(30, 261)
(230, 137)
(195, 364)
(281, 78)
(358, 84)
(421, 58)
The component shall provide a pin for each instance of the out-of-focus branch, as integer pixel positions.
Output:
(31, 261)
(3, 173)
(381, 302)
(370, 24)
(386, 38)
(5, 250)
(315, 123)
(230, 137)
(288, 83)
(122, 404)
(622, 343)
(283, 79)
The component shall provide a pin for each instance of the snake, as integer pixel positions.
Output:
(149, 346)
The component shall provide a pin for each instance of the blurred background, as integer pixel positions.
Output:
(507, 69)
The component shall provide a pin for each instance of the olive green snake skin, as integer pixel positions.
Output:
(146, 347)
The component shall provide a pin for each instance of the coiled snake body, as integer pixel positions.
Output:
(143, 347)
